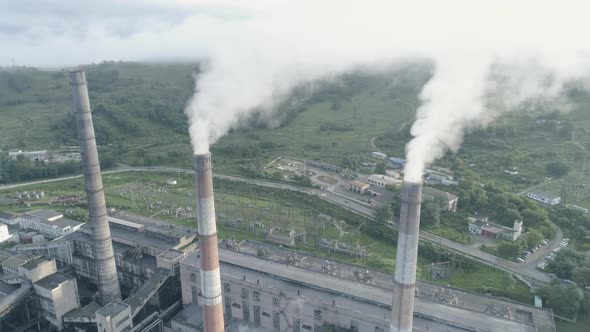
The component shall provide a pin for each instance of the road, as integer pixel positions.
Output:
(526, 271)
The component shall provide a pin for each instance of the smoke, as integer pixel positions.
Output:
(490, 57)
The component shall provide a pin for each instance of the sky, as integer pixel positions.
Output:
(255, 51)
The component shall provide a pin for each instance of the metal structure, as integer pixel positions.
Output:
(103, 247)
(209, 256)
(404, 281)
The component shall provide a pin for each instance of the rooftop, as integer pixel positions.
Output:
(358, 183)
(113, 308)
(6, 289)
(471, 310)
(16, 260)
(45, 214)
(34, 263)
(544, 195)
(64, 222)
(438, 193)
(189, 316)
(7, 215)
(53, 281)
(171, 254)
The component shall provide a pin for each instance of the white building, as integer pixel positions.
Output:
(58, 294)
(41, 155)
(4, 235)
(382, 180)
(485, 228)
(379, 155)
(544, 198)
(114, 317)
(49, 223)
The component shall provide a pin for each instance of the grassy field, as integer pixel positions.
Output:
(148, 194)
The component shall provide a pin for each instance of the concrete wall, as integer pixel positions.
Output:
(59, 301)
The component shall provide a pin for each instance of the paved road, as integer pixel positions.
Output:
(525, 271)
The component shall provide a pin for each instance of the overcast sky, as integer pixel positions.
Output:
(70, 32)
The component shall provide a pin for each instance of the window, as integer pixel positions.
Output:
(226, 287)
(317, 314)
(275, 301)
(193, 277)
(227, 306)
(245, 293)
(194, 293)
(257, 317)
(276, 320)
(354, 325)
(256, 296)
(297, 325)
(379, 329)
(246, 311)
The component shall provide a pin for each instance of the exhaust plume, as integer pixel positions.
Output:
(256, 51)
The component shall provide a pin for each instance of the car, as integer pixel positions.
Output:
(520, 260)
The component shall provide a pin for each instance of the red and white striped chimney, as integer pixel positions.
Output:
(209, 257)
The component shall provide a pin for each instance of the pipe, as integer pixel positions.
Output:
(404, 281)
(108, 282)
(209, 256)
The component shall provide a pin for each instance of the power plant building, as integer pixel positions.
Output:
(264, 287)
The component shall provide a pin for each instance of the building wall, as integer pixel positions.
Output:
(4, 235)
(59, 301)
(285, 306)
(46, 228)
(42, 270)
(115, 323)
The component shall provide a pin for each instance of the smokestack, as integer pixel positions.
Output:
(209, 257)
(404, 280)
(104, 257)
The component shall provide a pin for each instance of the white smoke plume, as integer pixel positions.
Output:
(257, 50)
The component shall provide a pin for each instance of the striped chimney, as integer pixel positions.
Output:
(209, 257)
(108, 283)
(404, 280)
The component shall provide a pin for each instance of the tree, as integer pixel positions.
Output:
(508, 249)
(508, 281)
(581, 275)
(384, 214)
(563, 298)
(430, 214)
(534, 238)
(557, 168)
(380, 168)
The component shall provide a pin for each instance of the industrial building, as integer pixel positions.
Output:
(481, 226)
(50, 224)
(264, 287)
(544, 198)
(41, 155)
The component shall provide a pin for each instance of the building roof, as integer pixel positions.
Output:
(7, 215)
(438, 193)
(477, 222)
(113, 308)
(34, 263)
(358, 183)
(53, 281)
(6, 289)
(65, 222)
(190, 316)
(45, 214)
(544, 195)
(382, 195)
(16, 260)
(382, 178)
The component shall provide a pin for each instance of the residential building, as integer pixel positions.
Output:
(447, 201)
(357, 187)
(58, 294)
(50, 224)
(544, 198)
(379, 155)
(483, 227)
(382, 180)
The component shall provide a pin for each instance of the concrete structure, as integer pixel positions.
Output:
(544, 198)
(357, 187)
(482, 227)
(404, 280)
(114, 317)
(324, 166)
(58, 294)
(382, 180)
(4, 234)
(41, 155)
(274, 293)
(37, 269)
(50, 224)
(379, 155)
(12, 263)
(447, 201)
(210, 291)
(8, 218)
(103, 247)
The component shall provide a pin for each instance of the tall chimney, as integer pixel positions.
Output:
(209, 257)
(108, 283)
(404, 280)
